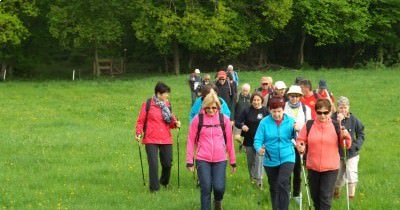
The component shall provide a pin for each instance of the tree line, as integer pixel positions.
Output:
(179, 35)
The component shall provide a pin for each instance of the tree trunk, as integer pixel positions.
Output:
(301, 49)
(190, 63)
(166, 64)
(380, 54)
(96, 62)
(3, 71)
(176, 58)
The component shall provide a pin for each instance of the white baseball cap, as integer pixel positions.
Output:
(280, 85)
(197, 71)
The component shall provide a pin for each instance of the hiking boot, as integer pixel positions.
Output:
(336, 194)
(217, 205)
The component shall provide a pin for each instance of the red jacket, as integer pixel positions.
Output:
(323, 146)
(157, 130)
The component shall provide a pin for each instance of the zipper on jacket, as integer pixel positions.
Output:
(279, 143)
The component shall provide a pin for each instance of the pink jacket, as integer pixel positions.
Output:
(323, 147)
(157, 130)
(211, 144)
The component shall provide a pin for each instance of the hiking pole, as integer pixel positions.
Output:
(345, 174)
(177, 142)
(305, 181)
(301, 193)
(141, 163)
(260, 177)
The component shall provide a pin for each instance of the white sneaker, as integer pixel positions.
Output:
(297, 199)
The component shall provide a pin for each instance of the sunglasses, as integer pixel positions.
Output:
(325, 113)
(212, 107)
(295, 96)
(221, 79)
(264, 83)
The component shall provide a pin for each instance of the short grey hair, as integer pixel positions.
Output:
(342, 100)
(246, 86)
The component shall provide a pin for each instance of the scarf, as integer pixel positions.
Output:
(294, 106)
(166, 113)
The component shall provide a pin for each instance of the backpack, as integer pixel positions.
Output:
(148, 102)
(316, 94)
(335, 123)
(201, 125)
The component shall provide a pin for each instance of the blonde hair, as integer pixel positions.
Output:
(211, 98)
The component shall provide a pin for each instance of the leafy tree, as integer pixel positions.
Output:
(12, 28)
(385, 24)
(93, 24)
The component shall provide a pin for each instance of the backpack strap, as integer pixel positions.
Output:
(315, 94)
(148, 103)
(200, 126)
(337, 129)
(309, 124)
(222, 124)
(304, 111)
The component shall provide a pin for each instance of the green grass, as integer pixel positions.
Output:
(69, 145)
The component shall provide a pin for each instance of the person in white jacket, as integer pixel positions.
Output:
(301, 113)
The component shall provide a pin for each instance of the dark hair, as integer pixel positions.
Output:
(323, 102)
(276, 102)
(161, 88)
(205, 90)
(306, 83)
(254, 95)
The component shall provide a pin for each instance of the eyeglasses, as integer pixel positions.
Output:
(264, 83)
(211, 107)
(325, 113)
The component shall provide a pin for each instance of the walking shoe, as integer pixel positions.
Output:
(336, 194)
(217, 205)
(297, 199)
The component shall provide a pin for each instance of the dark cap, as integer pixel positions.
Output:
(322, 84)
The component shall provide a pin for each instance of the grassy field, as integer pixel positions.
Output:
(69, 145)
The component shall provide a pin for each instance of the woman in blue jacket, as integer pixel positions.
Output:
(273, 140)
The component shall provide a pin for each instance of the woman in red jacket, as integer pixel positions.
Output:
(154, 125)
(323, 160)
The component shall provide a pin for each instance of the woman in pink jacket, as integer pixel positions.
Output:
(323, 158)
(210, 137)
(154, 126)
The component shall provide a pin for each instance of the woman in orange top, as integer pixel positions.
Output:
(323, 158)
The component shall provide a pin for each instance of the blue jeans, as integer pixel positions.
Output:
(212, 176)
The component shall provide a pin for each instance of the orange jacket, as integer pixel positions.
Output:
(323, 146)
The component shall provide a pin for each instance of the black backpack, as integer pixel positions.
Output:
(201, 125)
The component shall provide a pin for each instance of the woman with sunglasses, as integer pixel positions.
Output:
(323, 158)
(273, 140)
(211, 144)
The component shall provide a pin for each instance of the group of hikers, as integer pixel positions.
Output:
(280, 129)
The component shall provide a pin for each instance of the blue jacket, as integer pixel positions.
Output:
(199, 103)
(276, 139)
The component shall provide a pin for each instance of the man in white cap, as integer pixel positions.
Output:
(194, 82)
(234, 74)
(300, 113)
(279, 90)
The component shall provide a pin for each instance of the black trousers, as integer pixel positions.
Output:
(279, 185)
(297, 176)
(165, 151)
(321, 188)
